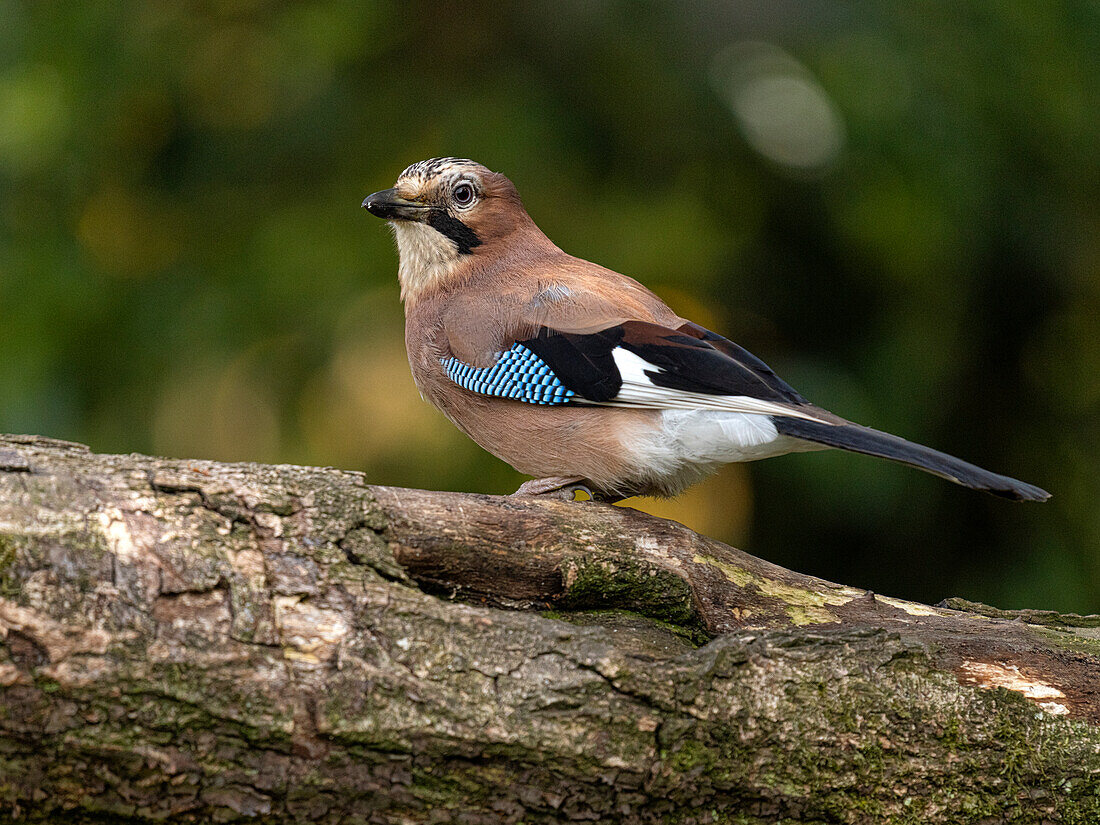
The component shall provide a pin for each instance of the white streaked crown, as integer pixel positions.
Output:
(432, 168)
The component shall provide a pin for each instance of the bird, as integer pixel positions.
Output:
(581, 377)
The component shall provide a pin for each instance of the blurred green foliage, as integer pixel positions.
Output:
(897, 206)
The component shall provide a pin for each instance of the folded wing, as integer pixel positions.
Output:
(636, 364)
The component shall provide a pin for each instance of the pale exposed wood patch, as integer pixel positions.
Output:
(308, 632)
(999, 674)
(58, 640)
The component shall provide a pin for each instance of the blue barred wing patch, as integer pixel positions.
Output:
(519, 374)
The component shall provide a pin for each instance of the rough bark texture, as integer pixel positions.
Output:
(194, 641)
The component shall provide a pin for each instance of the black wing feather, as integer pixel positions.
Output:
(583, 363)
(748, 362)
(689, 359)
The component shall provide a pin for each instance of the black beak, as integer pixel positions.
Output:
(390, 206)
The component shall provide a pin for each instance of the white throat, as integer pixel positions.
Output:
(427, 258)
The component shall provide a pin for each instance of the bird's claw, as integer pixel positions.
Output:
(571, 492)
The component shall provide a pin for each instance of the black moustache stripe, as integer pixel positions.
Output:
(447, 224)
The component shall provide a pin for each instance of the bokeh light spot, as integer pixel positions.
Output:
(126, 233)
(783, 112)
(34, 116)
(364, 411)
(224, 412)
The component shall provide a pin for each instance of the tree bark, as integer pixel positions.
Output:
(192, 641)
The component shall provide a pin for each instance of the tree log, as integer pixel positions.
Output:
(189, 641)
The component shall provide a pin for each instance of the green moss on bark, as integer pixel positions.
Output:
(631, 585)
(9, 545)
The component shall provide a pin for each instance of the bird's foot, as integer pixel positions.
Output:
(567, 489)
(554, 487)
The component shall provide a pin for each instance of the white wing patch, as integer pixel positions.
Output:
(639, 391)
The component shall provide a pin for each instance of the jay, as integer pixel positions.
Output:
(581, 377)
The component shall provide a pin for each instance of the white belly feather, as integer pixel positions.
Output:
(690, 444)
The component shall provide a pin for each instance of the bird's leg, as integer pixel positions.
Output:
(560, 487)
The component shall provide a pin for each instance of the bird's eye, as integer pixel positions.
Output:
(463, 194)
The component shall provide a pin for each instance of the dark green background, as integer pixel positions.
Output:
(896, 205)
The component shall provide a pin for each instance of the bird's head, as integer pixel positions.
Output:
(446, 214)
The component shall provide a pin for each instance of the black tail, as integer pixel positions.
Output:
(871, 442)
